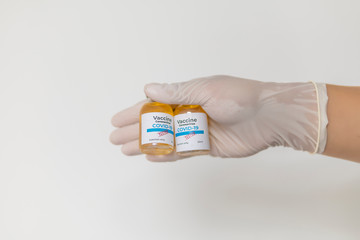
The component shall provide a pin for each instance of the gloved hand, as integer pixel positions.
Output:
(245, 116)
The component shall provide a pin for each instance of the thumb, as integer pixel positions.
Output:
(189, 93)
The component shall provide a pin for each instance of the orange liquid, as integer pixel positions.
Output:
(193, 109)
(155, 148)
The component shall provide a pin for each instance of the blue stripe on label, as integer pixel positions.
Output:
(160, 130)
(190, 132)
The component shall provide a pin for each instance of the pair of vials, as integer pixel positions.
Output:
(162, 130)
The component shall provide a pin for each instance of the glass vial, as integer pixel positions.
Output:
(156, 129)
(191, 130)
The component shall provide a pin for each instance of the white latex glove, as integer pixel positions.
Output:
(245, 116)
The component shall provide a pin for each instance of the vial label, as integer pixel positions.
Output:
(157, 127)
(191, 132)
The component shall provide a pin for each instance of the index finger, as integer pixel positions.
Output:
(128, 116)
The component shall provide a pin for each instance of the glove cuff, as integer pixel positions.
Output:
(322, 100)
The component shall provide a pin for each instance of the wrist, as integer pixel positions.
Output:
(291, 111)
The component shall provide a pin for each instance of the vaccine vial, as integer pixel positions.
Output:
(156, 129)
(191, 130)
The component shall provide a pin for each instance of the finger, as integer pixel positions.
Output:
(125, 134)
(190, 92)
(131, 148)
(128, 116)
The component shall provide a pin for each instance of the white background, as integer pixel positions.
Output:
(66, 67)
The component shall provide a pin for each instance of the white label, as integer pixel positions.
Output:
(157, 127)
(191, 132)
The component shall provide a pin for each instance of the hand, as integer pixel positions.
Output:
(245, 116)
